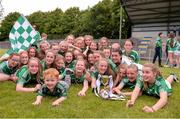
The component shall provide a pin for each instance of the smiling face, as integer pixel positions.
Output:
(91, 58)
(68, 57)
(116, 57)
(104, 42)
(79, 43)
(32, 52)
(102, 66)
(128, 46)
(80, 66)
(14, 61)
(55, 48)
(59, 63)
(51, 78)
(148, 75)
(49, 59)
(24, 58)
(122, 72)
(44, 46)
(88, 41)
(93, 46)
(70, 39)
(132, 74)
(33, 66)
(107, 52)
(63, 46)
(50, 82)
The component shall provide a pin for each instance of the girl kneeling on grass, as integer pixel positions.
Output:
(30, 73)
(152, 83)
(52, 87)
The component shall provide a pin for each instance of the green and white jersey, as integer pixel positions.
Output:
(44, 65)
(178, 46)
(71, 65)
(24, 77)
(125, 82)
(61, 70)
(133, 55)
(59, 90)
(160, 85)
(159, 42)
(4, 68)
(173, 46)
(113, 66)
(61, 53)
(75, 79)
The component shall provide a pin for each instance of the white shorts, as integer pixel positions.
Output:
(177, 53)
(169, 86)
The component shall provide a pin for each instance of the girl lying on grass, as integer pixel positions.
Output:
(27, 74)
(52, 87)
(79, 76)
(152, 84)
(9, 67)
(130, 80)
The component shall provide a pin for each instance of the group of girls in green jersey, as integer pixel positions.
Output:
(53, 68)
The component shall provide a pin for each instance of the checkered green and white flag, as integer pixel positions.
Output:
(21, 36)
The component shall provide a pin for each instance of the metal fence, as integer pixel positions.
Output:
(148, 55)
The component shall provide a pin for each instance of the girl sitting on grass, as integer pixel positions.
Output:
(52, 87)
(27, 74)
(153, 84)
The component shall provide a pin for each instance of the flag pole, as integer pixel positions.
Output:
(120, 24)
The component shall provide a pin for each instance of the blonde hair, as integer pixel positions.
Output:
(109, 70)
(122, 66)
(51, 73)
(39, 73)
(70, 35)
(44, 42)
(154, 69)
(132, 66)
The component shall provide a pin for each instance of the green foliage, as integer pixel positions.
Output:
(7, 24)
(100, 20)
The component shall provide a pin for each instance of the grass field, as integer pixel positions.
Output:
(17, 104)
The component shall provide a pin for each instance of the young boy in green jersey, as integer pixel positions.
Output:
(52, 87)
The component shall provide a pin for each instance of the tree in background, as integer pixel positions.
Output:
(100, 20)
(7, 24)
